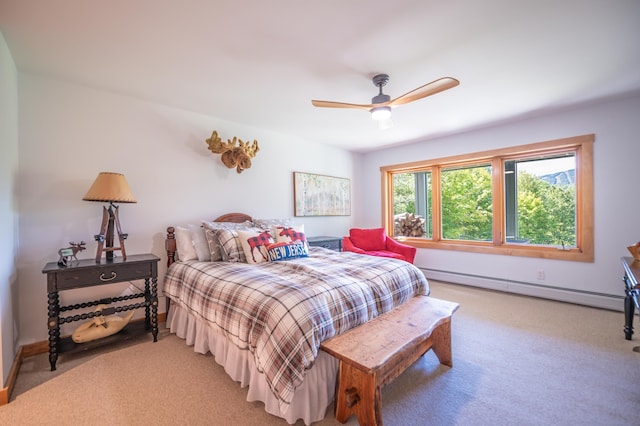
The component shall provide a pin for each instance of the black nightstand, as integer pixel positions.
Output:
(332, 243)
(88, 273)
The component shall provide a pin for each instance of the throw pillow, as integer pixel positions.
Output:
(212, 240)
(288, 234)
(254, 244)
(368, 239)
(214, 245)
(230, 246)
(286, 251)
(184, 244)
(200, 243)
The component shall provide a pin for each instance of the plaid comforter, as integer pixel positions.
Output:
(281, 311)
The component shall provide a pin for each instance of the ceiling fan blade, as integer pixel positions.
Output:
(330, 104)
(428, 89)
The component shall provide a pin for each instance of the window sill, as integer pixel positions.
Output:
(574, 254)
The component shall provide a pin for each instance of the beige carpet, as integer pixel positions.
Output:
(517, 361)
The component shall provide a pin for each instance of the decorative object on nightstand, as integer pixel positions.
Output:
(100, 326)
(110, 188)
(67, 254)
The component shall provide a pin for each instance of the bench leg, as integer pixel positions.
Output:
(357, 393)
(442, 343)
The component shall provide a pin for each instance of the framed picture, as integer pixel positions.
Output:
(319, 195)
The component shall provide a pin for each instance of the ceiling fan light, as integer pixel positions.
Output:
(385, 124)
(381, 113)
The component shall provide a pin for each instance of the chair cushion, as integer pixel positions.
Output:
(386, 253)
(368, 239)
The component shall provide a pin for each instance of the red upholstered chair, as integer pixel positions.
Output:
(375, 242)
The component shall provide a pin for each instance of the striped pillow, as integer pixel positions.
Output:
(230, 247)
(212, 240)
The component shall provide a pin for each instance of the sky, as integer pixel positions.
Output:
(546, 167)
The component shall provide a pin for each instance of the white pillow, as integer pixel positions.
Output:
(200, 243)
(254, 244)
(184, 244)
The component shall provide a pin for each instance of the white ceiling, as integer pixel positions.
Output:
(261, 62)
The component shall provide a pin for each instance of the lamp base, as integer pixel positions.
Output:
(110, 222)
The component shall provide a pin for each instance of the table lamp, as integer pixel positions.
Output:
(110, 188)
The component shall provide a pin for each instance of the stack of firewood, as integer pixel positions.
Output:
(408, 225)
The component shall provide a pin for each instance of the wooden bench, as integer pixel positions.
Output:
(377, 352)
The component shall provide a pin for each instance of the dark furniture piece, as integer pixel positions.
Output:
(632, 293)
(88, 273)
(332, 243)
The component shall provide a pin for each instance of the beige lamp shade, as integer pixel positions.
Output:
(110, 187)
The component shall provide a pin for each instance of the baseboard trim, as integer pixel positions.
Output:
(32, 349)
(580, 297)
(5, 393)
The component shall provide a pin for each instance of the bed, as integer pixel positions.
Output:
(264, 321)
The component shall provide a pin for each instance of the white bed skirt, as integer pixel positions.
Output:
(310, 400)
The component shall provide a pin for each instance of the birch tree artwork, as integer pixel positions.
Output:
(319, 195)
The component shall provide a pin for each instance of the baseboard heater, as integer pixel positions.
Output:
(580, 297)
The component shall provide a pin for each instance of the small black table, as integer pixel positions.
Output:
(332, 243)
(88, 273)
(632, 293)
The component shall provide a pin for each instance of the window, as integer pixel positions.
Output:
(534, 200)
(412, 205)
(540, 200)
(467, 203)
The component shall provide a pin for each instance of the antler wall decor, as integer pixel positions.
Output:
(234, 152)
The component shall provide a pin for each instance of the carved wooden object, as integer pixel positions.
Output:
(74, 249)
(110, 223)
(234, 152)
(170, 245)
(377, 352)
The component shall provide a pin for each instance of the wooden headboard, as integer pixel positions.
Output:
(170, 241)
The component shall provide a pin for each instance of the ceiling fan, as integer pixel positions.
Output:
(381, 104)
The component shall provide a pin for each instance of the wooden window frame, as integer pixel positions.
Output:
(581, 145)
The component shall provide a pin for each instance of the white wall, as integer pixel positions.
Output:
(8, 207)
(616, 163)
(69, 133)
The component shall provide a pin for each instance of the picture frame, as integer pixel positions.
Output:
(321, 195)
